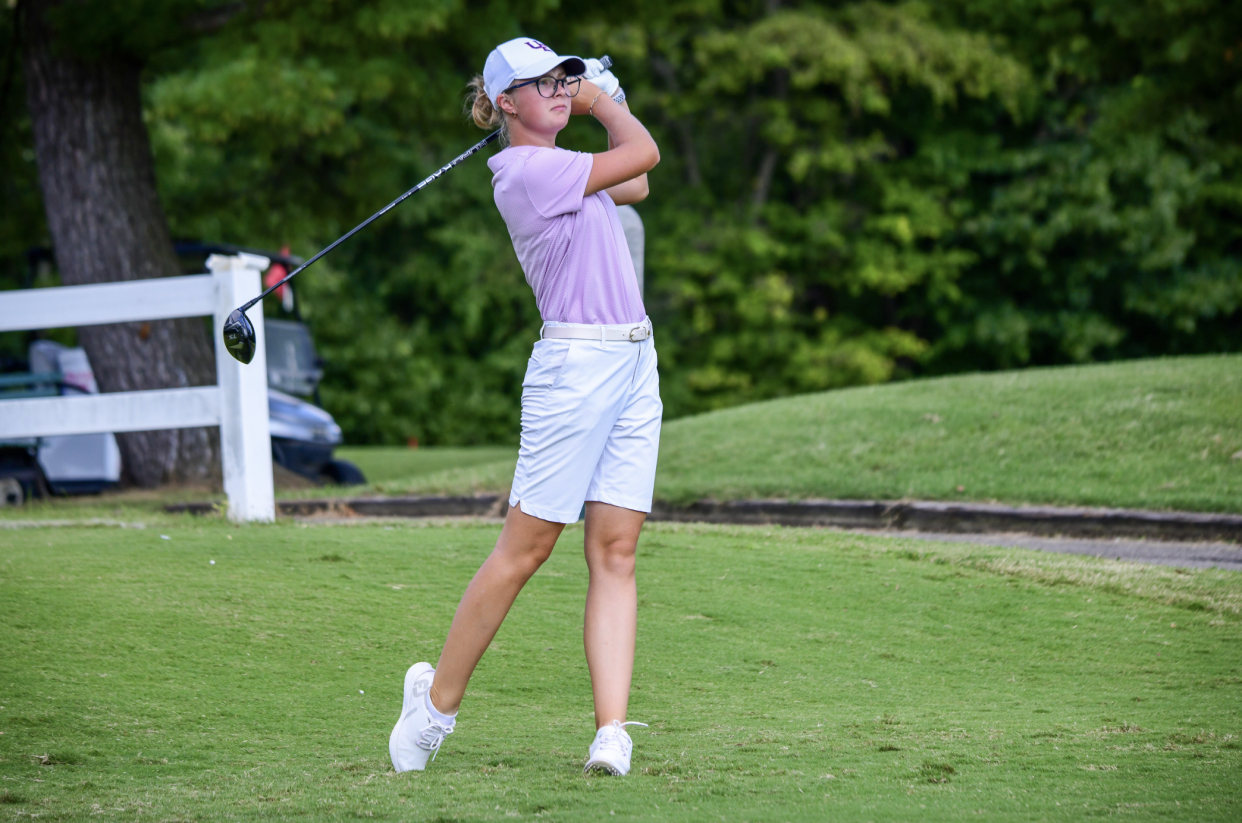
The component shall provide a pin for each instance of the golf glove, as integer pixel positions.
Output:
(594, 68)
(604, 79)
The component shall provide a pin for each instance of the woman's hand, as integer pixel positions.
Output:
(603, 78)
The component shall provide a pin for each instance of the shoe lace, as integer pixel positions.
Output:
(431, 738)
(615, 736)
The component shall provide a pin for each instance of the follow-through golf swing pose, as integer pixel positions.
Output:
(591, 405)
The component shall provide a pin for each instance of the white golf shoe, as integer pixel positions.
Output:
(417, 737)
(610, 751)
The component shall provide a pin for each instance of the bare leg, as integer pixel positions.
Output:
(524, 543)
(611, 622)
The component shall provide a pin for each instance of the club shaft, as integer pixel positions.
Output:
(476, 147)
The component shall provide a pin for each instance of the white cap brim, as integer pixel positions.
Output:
(542, 67)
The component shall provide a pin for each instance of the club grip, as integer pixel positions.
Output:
(606, 61)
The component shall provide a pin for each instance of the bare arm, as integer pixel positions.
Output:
(622, 170)
(631, 191)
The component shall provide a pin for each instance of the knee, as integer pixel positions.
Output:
(613, 557)
(526, 559)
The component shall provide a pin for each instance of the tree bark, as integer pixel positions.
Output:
(104, 215)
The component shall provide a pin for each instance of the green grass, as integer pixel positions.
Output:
(1142, 434)
(382, 464)
(786, 674)
(1155, 434)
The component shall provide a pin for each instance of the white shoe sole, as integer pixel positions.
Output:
(408, 704)
(602, 766)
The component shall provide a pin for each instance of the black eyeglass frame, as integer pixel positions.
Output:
(561, 82)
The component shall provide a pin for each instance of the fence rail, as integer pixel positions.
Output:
(237, 403)
(123, 302)
(135, 411)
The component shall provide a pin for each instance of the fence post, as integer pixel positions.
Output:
(245, 439)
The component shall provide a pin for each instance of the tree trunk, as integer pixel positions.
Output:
(103, 211)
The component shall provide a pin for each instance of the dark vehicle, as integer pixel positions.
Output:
(303, 435)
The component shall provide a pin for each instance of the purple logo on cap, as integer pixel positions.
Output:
(535, 44)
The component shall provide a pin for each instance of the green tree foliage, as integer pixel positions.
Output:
(814, 229)
(1110, 227)
(851, 191)
(292, 129)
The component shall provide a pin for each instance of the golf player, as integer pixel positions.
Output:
(591, 405)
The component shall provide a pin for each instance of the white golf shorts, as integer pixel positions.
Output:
(591, 416)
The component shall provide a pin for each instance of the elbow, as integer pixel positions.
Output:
(653, 156)
(641, 189)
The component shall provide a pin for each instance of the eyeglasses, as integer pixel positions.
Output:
(547, 85)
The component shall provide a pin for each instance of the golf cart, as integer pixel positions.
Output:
(303, 435)
(67, 464)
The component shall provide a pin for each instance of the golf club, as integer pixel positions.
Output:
(239, 337)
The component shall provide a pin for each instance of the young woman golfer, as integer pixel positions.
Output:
(591, 397)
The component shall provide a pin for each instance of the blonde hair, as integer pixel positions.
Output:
(484, 112)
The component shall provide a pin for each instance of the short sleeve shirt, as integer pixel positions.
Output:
(571, 247)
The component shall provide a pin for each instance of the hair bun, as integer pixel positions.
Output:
(482, 110)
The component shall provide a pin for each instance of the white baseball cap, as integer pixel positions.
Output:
(523, 59)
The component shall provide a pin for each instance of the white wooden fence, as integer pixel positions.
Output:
(237, 404)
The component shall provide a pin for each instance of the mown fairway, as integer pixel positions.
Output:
(786, 674)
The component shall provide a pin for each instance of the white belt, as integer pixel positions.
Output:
(633, 334)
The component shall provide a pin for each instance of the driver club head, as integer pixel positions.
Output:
(239, 336)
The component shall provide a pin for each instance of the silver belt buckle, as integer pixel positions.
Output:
(636, 330)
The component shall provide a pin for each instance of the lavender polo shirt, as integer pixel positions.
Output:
(571, 247)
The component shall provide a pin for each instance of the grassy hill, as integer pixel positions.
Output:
(1148, 434)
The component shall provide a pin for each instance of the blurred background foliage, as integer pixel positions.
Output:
(850, 192)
